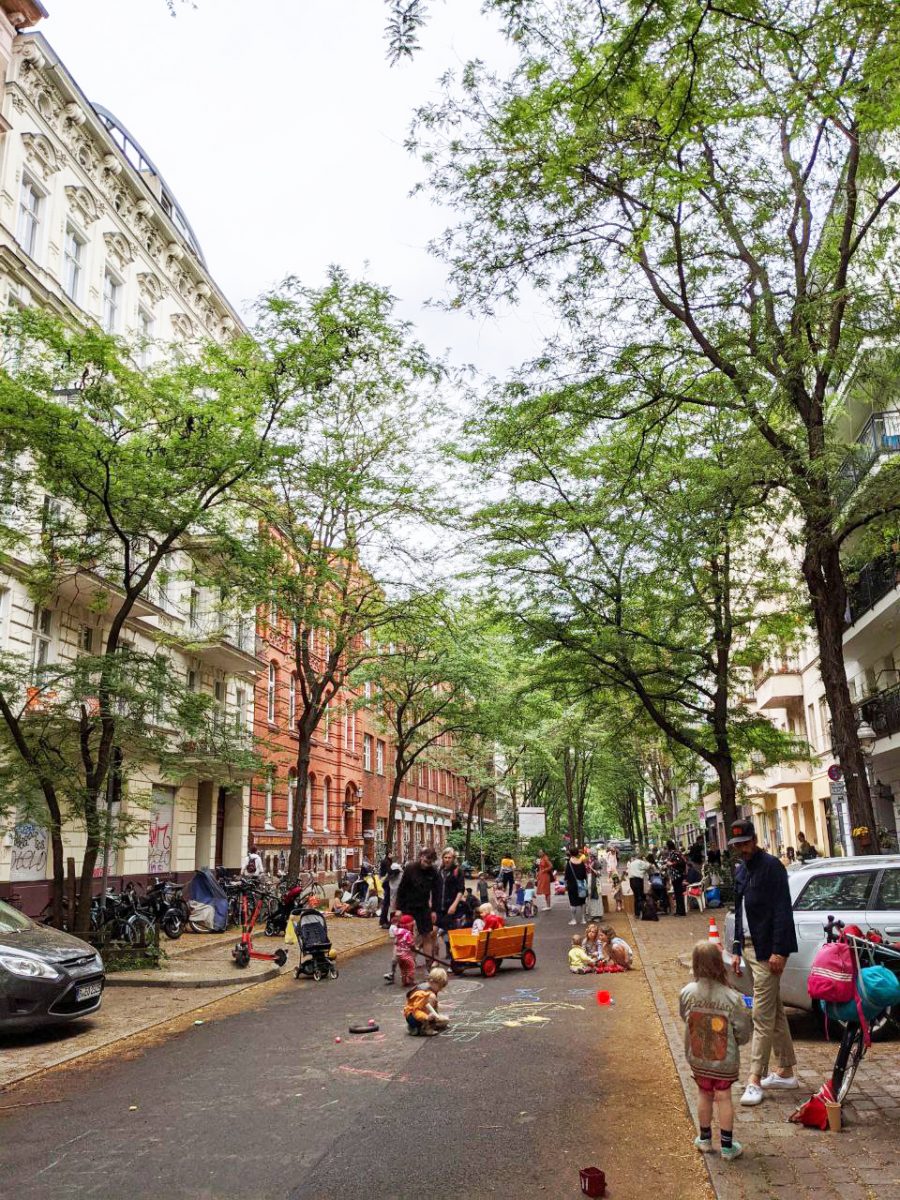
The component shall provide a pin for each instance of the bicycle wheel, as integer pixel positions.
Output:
(849, 1056)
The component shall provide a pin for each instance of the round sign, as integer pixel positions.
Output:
(835, 772)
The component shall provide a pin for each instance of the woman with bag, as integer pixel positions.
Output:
(595, 886)
(545, 878)
(577, 885)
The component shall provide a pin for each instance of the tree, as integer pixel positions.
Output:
(631, 556)
(349, 490)
(134, 463)
(707, 194)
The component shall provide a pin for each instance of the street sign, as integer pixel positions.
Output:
(838, 789)
(835, 772)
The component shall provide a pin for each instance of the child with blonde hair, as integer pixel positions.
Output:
(717, 1023)
(580, 962)
(421, 1009)
(591, 941)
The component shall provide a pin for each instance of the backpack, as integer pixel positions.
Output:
(832, 976)
(250, 867)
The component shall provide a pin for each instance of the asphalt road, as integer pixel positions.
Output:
(266, 1103)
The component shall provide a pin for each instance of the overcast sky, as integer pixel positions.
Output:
(279, 126)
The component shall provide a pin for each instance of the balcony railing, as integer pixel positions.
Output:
(239, 632)
(880, 435)
(882, 711)
(876, 579)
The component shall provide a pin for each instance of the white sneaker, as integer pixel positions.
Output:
(573, 922)
(786, 1082)
(753, 1094)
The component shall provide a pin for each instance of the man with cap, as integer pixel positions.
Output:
(763, 911)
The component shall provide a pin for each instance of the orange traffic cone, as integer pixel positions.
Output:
(714, 933)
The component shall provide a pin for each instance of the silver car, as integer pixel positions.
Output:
(859, 891)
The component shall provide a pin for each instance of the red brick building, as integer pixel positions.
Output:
(350, 774)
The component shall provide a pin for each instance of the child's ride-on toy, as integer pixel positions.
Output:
(243, 951)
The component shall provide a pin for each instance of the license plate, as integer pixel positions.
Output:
(87, 991)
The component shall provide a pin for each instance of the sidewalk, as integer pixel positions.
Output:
(860, 1163)
(197, 976)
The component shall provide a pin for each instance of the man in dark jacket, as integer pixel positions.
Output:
(764, 913)
(416, 896)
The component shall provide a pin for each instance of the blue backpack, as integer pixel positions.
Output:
(878, 989)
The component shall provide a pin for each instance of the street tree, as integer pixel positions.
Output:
(707, 195)
(116, 468)
(341, 513)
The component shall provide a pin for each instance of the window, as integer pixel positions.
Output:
(839, 890)
(270, 697)
(309, 795)
(326, 791)
(421, 775)
(292, 796)
(192, 681)
(31, 203)
(268, 802)
(218, 712)
(73, 262)
(240, 714)
(273, 614)
(889, 892)
(367, 752)
(327, 733)
(40, 641)
(194, 608)
(85, 639)
(367, 689)
(145, 333)
(112, 301)
(379, 757)
(292, 702)
(51, 514)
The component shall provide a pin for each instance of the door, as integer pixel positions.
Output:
(220, 827)
(845, 894)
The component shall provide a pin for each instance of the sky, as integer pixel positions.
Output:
(279, 126)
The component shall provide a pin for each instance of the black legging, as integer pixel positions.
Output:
(637, 887)
(678, 889)
(507, 880)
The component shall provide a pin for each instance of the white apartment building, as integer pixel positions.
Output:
(90, 228)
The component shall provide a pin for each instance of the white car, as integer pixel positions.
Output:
(859, 891)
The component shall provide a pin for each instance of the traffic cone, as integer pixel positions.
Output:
(714, 933)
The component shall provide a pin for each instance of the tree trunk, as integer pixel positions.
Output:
(91, 851)
(304, 750)
(392, 811)
(727, 792)
(825, 579)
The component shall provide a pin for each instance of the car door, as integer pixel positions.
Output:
(884, 911)
(843, 892)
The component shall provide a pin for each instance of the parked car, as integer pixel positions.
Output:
(859, 891)
(46, 976)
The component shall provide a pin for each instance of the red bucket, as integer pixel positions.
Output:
(593, 1181)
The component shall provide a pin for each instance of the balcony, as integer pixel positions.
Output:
(91, 590)
(879, 436)
(787, 775)
(227, 644)
(224, 751)
(876, 580)
(781, 688)
(882, 711)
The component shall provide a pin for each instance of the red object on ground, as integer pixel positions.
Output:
(493, 921)
(593, 1181)
(608, 968)
(603, 998)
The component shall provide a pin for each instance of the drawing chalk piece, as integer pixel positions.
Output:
(198, 1022)
(132, 1108)
(337, 1039)
(604, 997)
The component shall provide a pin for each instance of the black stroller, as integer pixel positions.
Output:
(316, 955)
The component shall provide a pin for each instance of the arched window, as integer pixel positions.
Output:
(326, 798)
(270, 696)
(269, 786)
(292, 795)
(310, 785)
(292, 702)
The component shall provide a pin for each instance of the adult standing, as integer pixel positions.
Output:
(612, 859)
(507, 873)
(696, 852)
(595, 886)
(449, 890)
(638, 873)
(384, 870)
(577, 885)
(545, 878)
(763, 909)
(415, 897)
(677, 864)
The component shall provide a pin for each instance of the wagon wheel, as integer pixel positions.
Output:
(529, 958)
(489, 968)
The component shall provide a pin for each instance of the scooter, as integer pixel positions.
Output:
(243, 951)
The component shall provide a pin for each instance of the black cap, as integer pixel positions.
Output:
(741, 831)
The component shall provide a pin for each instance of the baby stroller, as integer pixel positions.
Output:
(316, 955)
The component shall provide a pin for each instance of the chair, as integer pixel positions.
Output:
(697, 893)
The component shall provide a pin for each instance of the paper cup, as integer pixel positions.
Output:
(834, 1115)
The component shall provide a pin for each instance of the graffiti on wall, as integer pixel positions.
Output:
(29, 852)
(162, 817)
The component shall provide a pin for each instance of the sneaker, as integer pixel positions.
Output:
(573, 922)
(753, 1094)
(704, 1145)
(388, 978)
(786, 1082)
(735, 1150)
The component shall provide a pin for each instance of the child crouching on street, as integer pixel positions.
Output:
(580, 962)
(717, 1023)
(423, 1017)
(614, 949)
(401, 934)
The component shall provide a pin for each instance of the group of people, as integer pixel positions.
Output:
(652, 876)
(600, 950)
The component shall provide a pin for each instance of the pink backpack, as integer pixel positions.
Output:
(832, 976)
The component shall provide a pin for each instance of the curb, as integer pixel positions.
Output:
(350, 952)
(674, 1040)
(122, 980)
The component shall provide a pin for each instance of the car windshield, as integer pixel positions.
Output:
(13, 921)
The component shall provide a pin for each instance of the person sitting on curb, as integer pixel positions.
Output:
(763, 902)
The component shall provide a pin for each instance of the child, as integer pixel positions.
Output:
(716, 1024)
(614, 949)
(401, 933)
(483, 894)
(500, 898)
(421, 1009)
(580, 962)
(481, 912)
(616, 881)
(591, 942)
(529, 901)
(520, 895)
